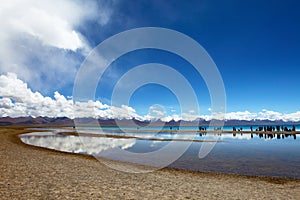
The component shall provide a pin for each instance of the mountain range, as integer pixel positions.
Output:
(64, 121)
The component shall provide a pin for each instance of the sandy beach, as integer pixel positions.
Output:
(29, 172)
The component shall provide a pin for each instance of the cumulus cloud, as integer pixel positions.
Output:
(41, 42)
(52, 22)
(242, 115)
(264, 115)
(17, 99)
(155, 112)
(246, 115)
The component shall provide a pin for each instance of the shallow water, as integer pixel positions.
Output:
(264, 155)
(158, 128)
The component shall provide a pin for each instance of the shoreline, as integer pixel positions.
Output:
(216, 185)
(206, 131)
(86, 156)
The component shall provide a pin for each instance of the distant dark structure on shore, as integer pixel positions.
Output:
(278, 132)
(202, 128)
(272, 129)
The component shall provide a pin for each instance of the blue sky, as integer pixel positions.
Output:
(255, 45)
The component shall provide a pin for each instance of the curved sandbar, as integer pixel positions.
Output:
(134, 137)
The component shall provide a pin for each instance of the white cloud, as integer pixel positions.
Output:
(40, 40)
(189, 116)
(156, 112)
(245, 115)
(52, 22)
(263, 115)
(174, 117)
(19, 100)
(29, 103)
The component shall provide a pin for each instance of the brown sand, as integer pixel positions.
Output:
(34, 173)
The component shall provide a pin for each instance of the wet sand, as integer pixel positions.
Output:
(29, 172)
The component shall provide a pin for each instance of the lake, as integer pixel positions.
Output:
(261, 154)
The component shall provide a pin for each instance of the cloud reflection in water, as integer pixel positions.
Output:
(75, 144)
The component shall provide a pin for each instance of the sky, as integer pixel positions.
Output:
(254, 44)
